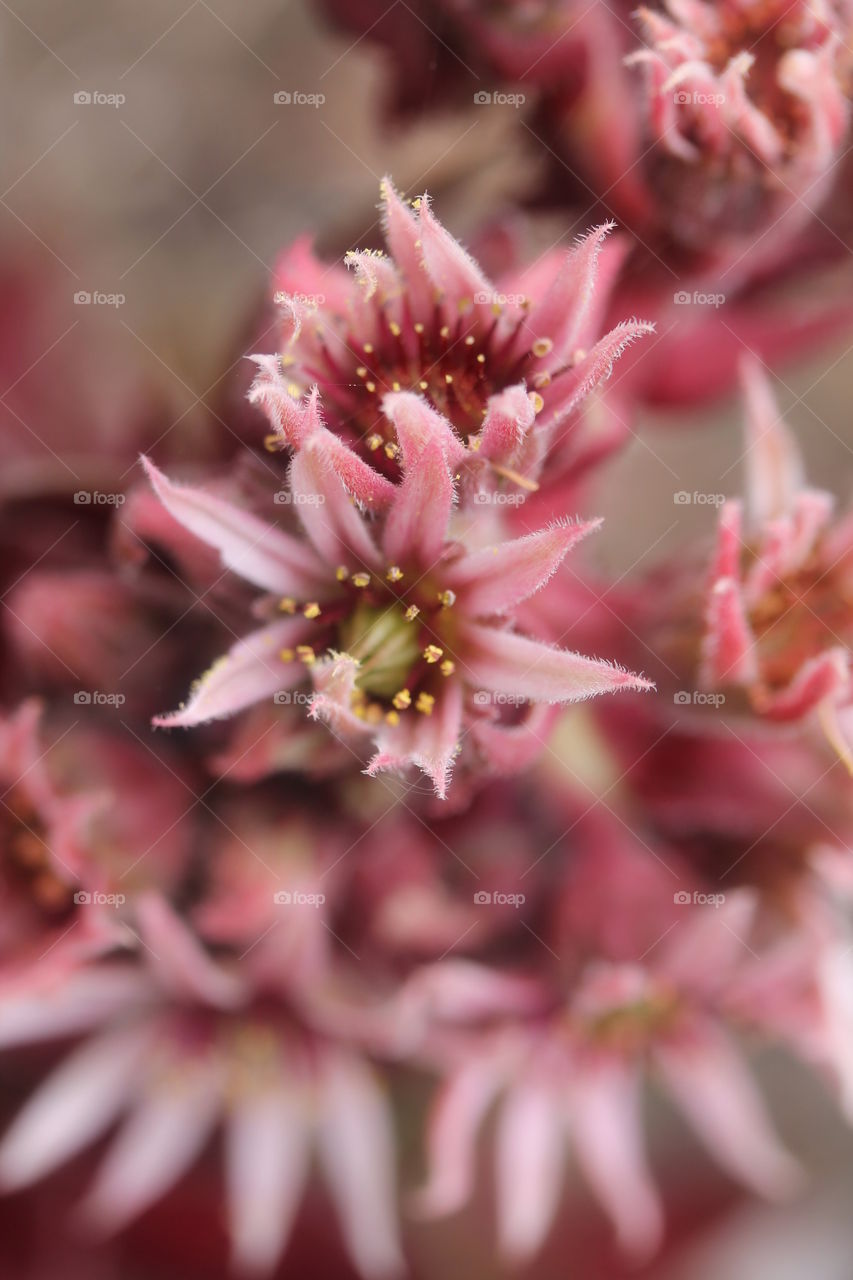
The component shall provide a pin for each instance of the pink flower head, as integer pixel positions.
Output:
(420, 344)
(394, 625)
(778, 617)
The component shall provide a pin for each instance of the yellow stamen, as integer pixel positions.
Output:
(272, 443)
(373, 442)
(447, 598)
(447, 667)
(425, 704)
(361, 372)
(312, 610)
(542, 346)
(342, 573)
(391, 450)
(419, 327)
(392, 718)
(395, 328)
(361, 580)
(412, 612)
(371, 386)
(402, 700)
(287, 605)
(394, 573)
(287, 655)
(537, 402)
(448, 378)
(432, 653)
(368, 348)
(481, 359)
(306, 654)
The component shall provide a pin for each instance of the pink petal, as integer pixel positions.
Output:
(608, 1139)
(596, 366)
(337, 530)
(417, 424)
(72, 1108)
(503, 662)
(774, 467)
(728, 649)
(356, 1141)
(167, 1131)
(416, 524)
(251, 670)
(708, 1079)
(454, 1122)
(267, 1165)
(293, 421)
(259, 552)
(89, 997)
(496, 579)
(561, 314)
(530, 1158)
(403, 235)
(453, 271)
(334, 682)
(178, 958)
(826, 676)
(429, 742)
(509, 417)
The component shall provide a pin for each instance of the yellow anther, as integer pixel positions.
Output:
(368, 348)
(537, 402)
(286, 655)
(448, 378)
(447, 667)
(474, 443)
(371, 386)
(481, 359)
(374, 713)
(312, 610)
(402, 700)
(361, 371)
(373, 442)
(395, 328)
(578, 355)
(419, 327)
(469, 341)
(392, 718)
(391, 449)
(294, 390)
(412, 612)
(542, 346)
(272, 443)
(432, 653)
(306, 654)
(445, 331)
(447, 598)
(361, 580)
(416, 203)
(542, 380)
(423, 385)
(287, 605)
(395, 386)
(425, 704)
(342, 573)
(394, 573)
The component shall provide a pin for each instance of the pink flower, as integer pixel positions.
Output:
(421, 342)
(399, 627)
(181, 1048)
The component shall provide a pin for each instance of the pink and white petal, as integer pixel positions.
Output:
(454, 272)
(403, 235)
(86, 999)
(250, 671)
(509, 416)
(356, 1147)
(823, 679)
(334, 684)
(451, 1138)
(259, 552)
(503, 662)
(560, 317)
(416, 523)
(361, 481)
(73, 1107)
(417, 424)
(729, 654)
(530, 1154)
(494, 580)
(167, 1131)
(774, 466)
(707, 1077)
(703, 954)
(293, 420)
(509, 748)
(428, 741)
(595, 366)
(267, 1160)
(607, 1128)
(337, 530)
(176, 956)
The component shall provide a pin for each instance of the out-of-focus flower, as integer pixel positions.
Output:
(182, 1045)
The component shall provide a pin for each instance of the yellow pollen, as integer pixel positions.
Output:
(306, 654)
(423, 385)
(287, 605)
(481, 359)
(416, 203)
(287, 655)
(447, 667)
(374, 713)
(287, 360)
(373, 442)
(402, 700)
(394, 573)
(412, 612)
(447, 598)
(542, 380)
(312, 610)
(272, 443)
(395, 386)
(537, 402)
(361, 580)
(391, 450)
(474, 443)
(578, 355)
(444, 331)
(395, 328)
(419, 327)
(392, 718)
(368, 348)
(293, 390)
(432, 653)
(469, 341)
(542, 346)
(448, 378)
(425, 704)
(371, 386)
(361, 371)
(342, 573)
